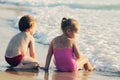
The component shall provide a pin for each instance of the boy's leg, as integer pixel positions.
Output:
(29, 62)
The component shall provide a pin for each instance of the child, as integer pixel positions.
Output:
(65, 49)
(20, 43)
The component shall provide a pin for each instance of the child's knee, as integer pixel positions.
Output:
(86, 59)
(36, 64)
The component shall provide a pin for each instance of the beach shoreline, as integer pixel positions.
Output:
(6, 13)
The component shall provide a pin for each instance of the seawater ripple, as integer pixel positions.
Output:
(99, 37)
(70, 5)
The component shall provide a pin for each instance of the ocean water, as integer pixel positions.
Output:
(99, 37)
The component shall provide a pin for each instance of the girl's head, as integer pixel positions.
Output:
(70, 27)
(27, 23)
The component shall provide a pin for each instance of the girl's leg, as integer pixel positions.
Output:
(84, 62)
(28, 62)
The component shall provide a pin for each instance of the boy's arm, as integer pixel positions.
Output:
(32, 49)
(49, 56)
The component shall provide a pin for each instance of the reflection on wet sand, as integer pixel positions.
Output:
(54, 75)
(23, 72)
(64, 76)
(67, 75)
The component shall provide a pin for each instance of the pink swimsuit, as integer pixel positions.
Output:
(65, 60)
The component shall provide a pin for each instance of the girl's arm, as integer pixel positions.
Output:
(49, 56)
(76, 50)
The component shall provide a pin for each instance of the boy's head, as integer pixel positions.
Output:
(26, 22)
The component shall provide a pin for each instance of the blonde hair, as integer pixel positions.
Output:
(71, 24)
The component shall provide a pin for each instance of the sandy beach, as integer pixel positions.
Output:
(8, 12)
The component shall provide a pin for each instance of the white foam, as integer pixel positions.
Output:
(33, 2)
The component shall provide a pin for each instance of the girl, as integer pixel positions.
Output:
(17, 47)
(65, 50)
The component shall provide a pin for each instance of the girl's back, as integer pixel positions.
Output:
(63, 53)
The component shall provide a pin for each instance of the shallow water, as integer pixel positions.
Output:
(53, 75)
(99, 37)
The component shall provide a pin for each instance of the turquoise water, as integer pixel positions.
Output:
(99, 38)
